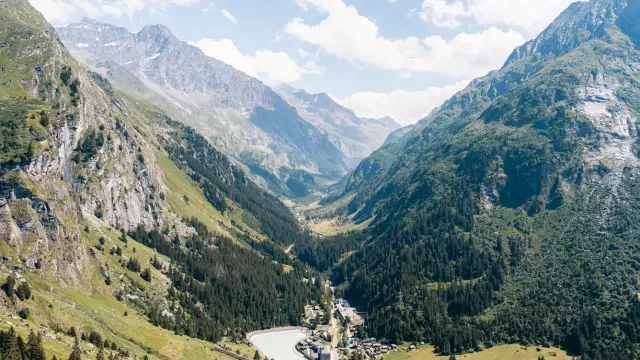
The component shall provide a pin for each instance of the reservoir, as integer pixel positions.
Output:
(279, 345)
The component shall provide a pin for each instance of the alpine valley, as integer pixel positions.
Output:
(157, 203)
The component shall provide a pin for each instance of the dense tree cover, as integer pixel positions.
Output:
(17, 138)
(422, 278)
(323, 253)
(463, 283)
(222, 289)
(13, 347)
(220, 179)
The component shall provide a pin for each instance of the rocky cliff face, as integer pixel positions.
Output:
(356, 137)
(243, 117)
(85, 159)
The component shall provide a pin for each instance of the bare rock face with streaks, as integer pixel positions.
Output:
(46, 198)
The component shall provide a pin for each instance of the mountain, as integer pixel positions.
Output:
(509, 213)
(397, 134)
(243, 117)
(356, 137)
(124, 232)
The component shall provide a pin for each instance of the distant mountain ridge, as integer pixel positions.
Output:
(397, 134)
(356, 137)
(244, 118)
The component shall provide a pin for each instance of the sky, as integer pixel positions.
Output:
(397, 58)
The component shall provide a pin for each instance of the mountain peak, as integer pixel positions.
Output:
(287, 89)
(90, 21)
(157, 30)
(580, 22)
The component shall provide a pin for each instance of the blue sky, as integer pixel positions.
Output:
(398, 58)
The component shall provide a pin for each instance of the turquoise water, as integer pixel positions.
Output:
(279, 346)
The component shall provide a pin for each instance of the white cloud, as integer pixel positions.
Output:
(228, 15)
(54, 10)
(61, 11)
(272, 67)
(347, 34)
(303, 53)
(532, 16)
(406, 107)
(443, 13)
(209, 7)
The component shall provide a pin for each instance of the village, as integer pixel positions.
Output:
(340, 337)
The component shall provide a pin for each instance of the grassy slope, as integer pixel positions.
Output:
(503, 352)
(54, 304)
(181, 186)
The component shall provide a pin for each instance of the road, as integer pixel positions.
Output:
(335, 327)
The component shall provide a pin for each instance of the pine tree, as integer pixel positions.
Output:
(257, 356)
(22, 347)
(44, 120)
(11, 349)
(32, 149)
(23, 291)
(9, 285)
(35, 350)
(76, 352)
(146, 275)
(156, 263)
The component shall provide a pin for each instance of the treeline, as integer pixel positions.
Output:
(323, 253)
(13, 346)
(222, 289)
(219, 179)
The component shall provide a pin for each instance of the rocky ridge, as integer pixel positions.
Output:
(356, 137)
(239, 114)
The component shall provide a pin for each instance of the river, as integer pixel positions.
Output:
(279, 345)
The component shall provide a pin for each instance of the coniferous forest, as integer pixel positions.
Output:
(222, 289)
(219, 179)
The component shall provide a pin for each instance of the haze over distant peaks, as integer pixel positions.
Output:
(356, 137)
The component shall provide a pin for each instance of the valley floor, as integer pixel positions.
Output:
(502, 352)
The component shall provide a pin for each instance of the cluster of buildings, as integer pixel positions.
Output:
(314, 348)
(370, 347)
(346, 311)
(314, 314)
